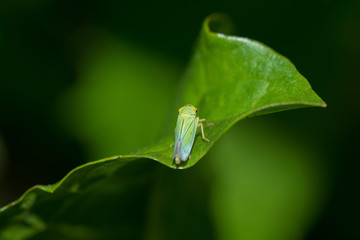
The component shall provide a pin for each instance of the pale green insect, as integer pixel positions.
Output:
(185, 131)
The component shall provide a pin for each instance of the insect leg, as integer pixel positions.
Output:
(204, 120)
(202, 132)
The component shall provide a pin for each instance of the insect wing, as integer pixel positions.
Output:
(184, 137)
(188, 136)
(179, 126)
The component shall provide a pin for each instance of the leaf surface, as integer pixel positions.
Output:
(228, 79)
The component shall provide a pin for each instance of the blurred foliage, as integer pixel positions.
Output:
(2, 160)
(103, 105)
(44, 49)
(275, 187)
(241, 192)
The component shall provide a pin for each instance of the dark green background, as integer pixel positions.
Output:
(44, 52)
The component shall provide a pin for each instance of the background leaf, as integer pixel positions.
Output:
(117, 87)
(245, 188)
(275, 187)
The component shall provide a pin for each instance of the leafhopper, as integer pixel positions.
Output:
(185, 131)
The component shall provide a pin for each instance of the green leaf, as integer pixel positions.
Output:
(228, 79)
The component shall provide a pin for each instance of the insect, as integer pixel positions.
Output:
(185, 131)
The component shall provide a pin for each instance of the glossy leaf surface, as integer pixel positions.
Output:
(228, 79)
